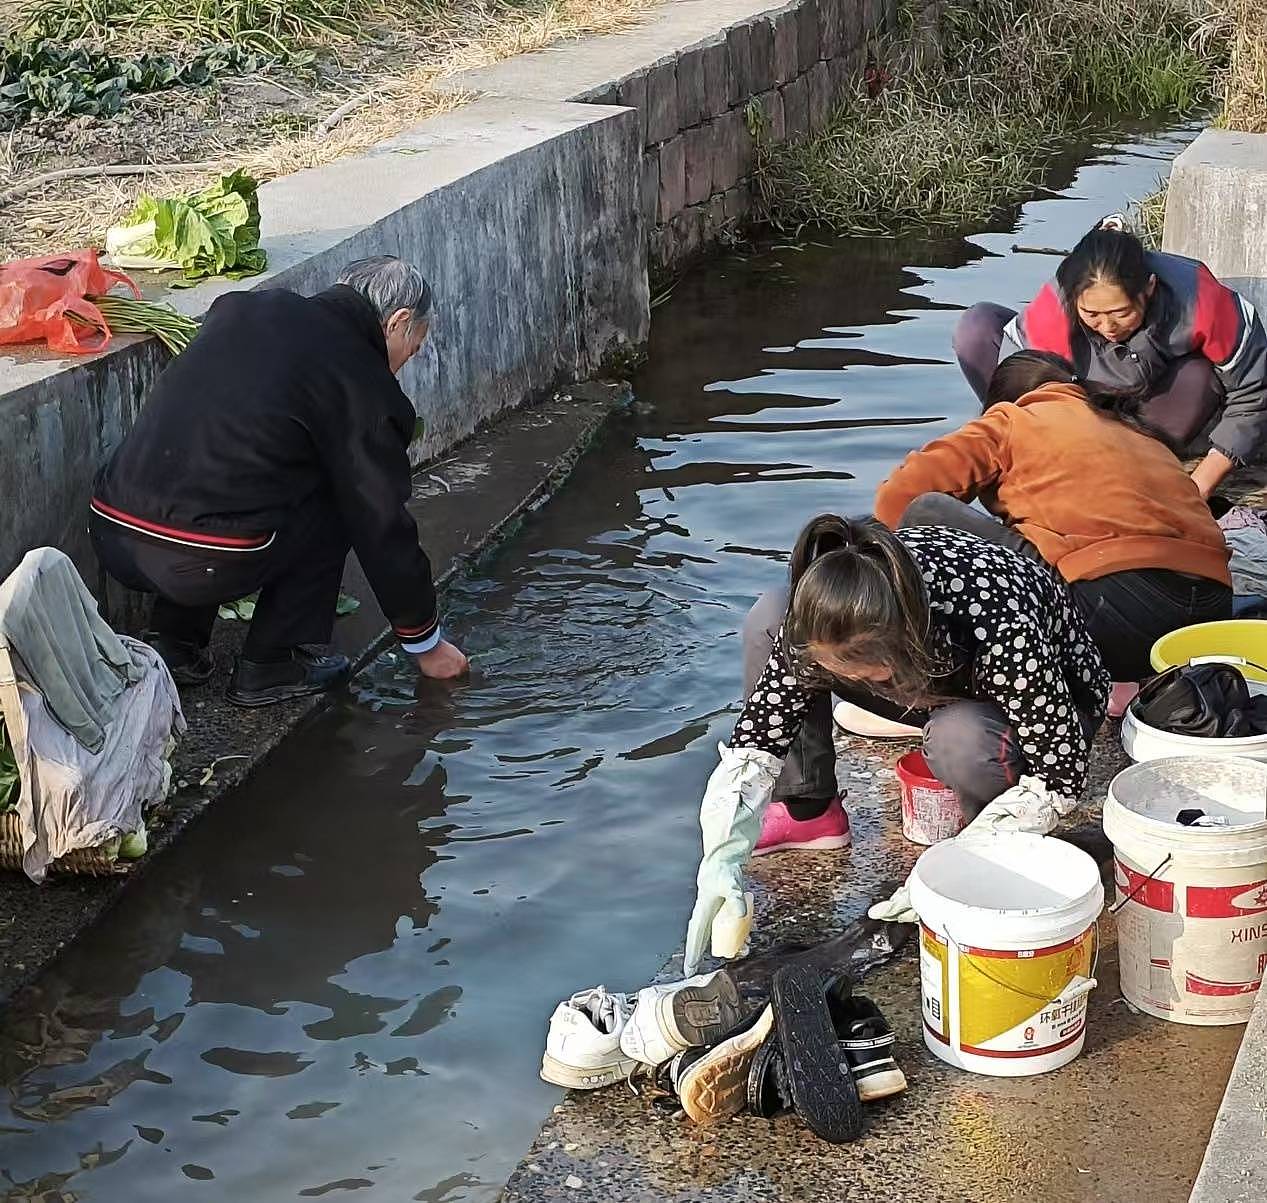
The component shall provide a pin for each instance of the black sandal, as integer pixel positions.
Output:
(818, 1075)
(768, 1091)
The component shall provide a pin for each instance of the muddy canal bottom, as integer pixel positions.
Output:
(339, 982)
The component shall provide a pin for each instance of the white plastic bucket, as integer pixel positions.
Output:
(1193, 936)
(1007, 946)
(1142, 742)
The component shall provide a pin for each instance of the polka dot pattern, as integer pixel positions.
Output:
(1027, 648)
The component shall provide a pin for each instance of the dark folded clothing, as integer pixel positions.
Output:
(1210, 700)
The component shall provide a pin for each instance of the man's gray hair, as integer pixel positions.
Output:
(389, 284)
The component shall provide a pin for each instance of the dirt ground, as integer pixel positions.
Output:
(269, 122)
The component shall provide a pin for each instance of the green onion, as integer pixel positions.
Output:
(128, 316)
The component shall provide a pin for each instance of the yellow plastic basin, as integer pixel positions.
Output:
(1238, 639)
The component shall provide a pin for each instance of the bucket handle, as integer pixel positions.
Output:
(1085, 985)
(1117, 906)
(1235, 661)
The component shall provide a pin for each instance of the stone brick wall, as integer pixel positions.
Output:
(790, 64)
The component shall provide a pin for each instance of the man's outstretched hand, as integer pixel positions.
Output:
(444, 662)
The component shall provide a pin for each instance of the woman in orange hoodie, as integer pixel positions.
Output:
(1077, 481)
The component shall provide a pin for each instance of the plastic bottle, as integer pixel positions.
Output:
(730, 929)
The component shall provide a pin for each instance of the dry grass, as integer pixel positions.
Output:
(1245, 87)
(224, 125)
(1148, 216)
(953, 142)
(1243, 25)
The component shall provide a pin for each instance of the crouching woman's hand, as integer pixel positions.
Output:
(730, 822)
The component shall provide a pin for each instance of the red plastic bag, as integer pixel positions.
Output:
(38, 297)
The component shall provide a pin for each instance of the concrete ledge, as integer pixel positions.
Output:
(587, 69)
(464, 506)
(1216, 209)
(1235, 1165)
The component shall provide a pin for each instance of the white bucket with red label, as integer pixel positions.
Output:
(1192, 899)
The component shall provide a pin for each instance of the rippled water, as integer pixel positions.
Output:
(339, 981)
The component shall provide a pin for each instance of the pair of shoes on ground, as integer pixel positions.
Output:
(309, 670)
(599, 1037)
(816, 1049)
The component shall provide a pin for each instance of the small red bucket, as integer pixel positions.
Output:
(930, 811)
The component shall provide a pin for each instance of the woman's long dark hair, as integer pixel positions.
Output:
(856, 590)
(1027, 371)
(1108, 254)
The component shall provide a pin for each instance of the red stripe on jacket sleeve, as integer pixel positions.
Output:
(1044, 324)
(411, 633)
(1217, 322)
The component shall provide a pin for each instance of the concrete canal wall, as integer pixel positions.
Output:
(1216, 209)
(534, 210)
(698, 75)
(523, 216)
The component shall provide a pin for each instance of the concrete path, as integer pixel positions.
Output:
(1127, 1122)
(1235, 1165)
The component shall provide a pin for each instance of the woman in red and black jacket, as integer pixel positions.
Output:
(1154, 325)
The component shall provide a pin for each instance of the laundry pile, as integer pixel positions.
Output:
(1245, 530)
(91, 719)
(815, 1047)
(1211, 701)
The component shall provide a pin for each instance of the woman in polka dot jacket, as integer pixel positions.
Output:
(975, 643)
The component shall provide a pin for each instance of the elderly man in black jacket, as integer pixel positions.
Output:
(277, 442)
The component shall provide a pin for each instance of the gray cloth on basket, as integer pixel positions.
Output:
(49, 620)
(76, 680)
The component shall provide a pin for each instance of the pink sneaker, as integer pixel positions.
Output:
(1121, 696)
(780, 832)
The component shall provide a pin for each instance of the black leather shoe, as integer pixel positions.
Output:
(309, 670)
(189, 663)
(867, 1042)
(712, 1082)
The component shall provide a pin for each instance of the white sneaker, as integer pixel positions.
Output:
(858, 721)
(583, 1043)
(671, 1018)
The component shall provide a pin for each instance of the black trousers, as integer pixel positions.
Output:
(1126, 612)
(297, 578)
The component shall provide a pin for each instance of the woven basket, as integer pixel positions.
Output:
(90, 861)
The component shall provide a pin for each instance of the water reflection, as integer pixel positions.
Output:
(338, 983)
